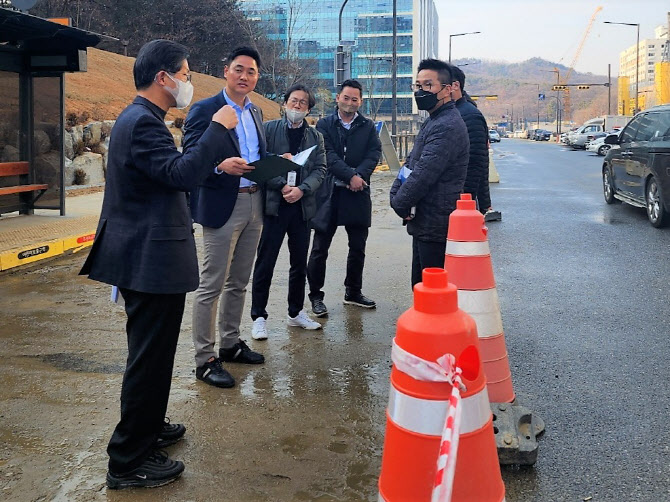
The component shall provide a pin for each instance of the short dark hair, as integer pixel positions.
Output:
(443, 69)
(155, 56)
(300, 87)
(351, 83)
(244, 51)
(458, 76)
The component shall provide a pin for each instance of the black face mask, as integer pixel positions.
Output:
(425, 100)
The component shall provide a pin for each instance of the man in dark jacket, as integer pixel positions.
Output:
(230, 209)
(352, 150)
(477, 180)
(438, 163)
(478, 133)
(144, 245)
(289, 205)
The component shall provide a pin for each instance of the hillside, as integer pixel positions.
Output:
(515, 85)
(107, 88)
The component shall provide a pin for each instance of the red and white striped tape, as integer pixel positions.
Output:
(443, 370)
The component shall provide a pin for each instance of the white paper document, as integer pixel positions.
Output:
(301, 158)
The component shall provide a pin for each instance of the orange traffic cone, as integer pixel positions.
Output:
(418, 405)
(468, 261)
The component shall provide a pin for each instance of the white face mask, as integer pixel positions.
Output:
(183, 93)
(295, 116)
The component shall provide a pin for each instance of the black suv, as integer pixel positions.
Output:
(637, 168)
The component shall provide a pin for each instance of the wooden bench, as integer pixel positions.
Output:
(21, 169)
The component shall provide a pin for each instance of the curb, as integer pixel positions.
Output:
(29, 254)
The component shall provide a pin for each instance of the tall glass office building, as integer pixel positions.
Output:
(309, 29)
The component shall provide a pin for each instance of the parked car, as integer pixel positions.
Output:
(577, 139)
(593, 137)
(494, 137)
(636, 170)
(531, 133)
(599, 146)
(542, 135)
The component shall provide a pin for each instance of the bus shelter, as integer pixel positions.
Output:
(34, 55)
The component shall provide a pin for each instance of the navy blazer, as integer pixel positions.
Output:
(213, 200)
(144, 239)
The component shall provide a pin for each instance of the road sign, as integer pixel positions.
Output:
(540, 97)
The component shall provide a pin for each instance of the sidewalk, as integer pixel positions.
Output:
(28, 238)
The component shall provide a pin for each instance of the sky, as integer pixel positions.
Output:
(517, 30)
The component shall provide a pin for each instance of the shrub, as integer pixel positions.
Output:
(178, 122)
(83, 117)
(79, 176)
(71, 119)
(79, 147)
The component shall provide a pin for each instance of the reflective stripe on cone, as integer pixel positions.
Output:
(484, 307)
(427, 416)
(458, 248)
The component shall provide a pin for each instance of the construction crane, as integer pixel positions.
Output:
(567, 109)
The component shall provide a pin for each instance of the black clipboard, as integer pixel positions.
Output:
(270, 167)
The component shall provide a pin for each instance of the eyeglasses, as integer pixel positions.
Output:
(424, 87)
(295, 101)
(187, 75)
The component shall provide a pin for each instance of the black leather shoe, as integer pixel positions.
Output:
(214, 374)
(156, 470)
(359, 300)
(319, 308)
(170, 434)
(241, 353)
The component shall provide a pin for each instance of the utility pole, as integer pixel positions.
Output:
(538, 105)
(609, 89)
(637, 71)
(394, 74)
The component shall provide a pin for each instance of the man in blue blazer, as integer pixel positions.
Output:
(144, 245)
(230, 209)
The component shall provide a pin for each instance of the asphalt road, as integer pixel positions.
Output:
(584, 295)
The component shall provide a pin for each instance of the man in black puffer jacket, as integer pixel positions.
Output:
(438, 163)
(477, 180)
(478, 132)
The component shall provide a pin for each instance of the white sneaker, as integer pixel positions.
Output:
(259, 331)
(303, 321)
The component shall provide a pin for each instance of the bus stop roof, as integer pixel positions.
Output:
(31, 33)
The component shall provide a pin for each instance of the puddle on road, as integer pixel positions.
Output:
(78, 363)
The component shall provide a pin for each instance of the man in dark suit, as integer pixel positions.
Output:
(230, 209)
(144, 245)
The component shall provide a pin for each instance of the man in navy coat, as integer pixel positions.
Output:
(144, 245)
(230, 209)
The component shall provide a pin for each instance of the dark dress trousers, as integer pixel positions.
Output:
(213, 199)
(144, 244)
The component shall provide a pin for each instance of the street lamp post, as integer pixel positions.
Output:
(637, 61)
(459, 35)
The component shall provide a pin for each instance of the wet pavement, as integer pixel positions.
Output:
(583, 288)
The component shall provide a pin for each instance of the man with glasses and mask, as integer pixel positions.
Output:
(144, 245)
(230, 209)
(289, 205)
(352, 150)
(438, 163)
